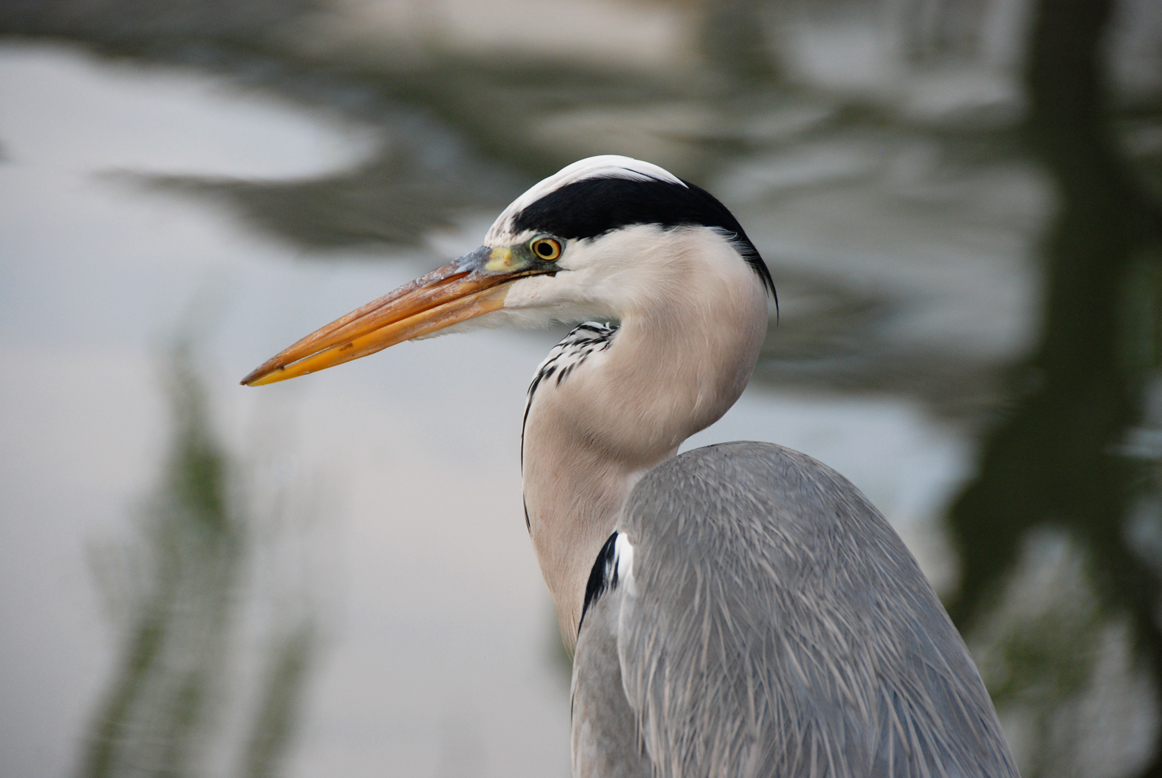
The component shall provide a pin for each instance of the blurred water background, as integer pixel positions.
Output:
(959, 201)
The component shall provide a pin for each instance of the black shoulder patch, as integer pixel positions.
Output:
(594, 206)
(602, 576)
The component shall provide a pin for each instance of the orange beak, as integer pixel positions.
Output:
(467, 287)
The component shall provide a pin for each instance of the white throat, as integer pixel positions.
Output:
(691, 328)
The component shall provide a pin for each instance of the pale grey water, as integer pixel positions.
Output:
(378, 570)
(437, 626)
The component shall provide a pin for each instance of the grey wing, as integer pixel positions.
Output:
(773, 624)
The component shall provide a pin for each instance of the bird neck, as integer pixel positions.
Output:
(675, 366)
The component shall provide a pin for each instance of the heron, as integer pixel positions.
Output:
(736, 610)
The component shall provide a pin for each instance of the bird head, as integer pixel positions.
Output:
(597, 239)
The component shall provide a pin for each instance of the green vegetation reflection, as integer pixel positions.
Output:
(184, 591)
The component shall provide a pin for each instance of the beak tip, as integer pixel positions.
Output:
(259, 376)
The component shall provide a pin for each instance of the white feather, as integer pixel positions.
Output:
(626, 272)
(623, 554)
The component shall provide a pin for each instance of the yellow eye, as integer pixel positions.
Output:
(546, 249)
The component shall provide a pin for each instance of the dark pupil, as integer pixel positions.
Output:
(544, 249)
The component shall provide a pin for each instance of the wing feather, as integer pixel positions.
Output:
(779, 627)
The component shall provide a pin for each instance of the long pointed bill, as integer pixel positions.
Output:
(472, 285)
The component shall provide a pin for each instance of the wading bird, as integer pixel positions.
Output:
(741, 609)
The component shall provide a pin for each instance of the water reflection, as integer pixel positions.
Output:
(961, 204)
(181, 588)
(1057, 458)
